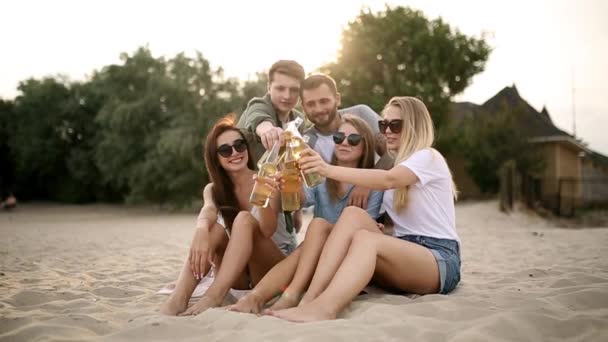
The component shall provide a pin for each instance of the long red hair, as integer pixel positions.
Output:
(223, 188)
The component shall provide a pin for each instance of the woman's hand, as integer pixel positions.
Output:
(272, 182)
(311, 161)
(199, 252)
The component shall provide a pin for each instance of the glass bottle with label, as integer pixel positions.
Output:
(260, 195)
(290, 194)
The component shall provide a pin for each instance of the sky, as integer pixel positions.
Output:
(555, 52)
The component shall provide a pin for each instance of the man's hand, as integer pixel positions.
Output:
(199, 252)
(268, 133)
(380, 142)
(358, 197)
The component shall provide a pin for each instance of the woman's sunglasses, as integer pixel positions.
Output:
(225, 150)
(352, 139)
(395, 125)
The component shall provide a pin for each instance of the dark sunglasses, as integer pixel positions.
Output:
(352, 139)
(225, 150)
(395, 125)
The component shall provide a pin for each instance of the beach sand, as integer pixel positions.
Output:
(74, 273)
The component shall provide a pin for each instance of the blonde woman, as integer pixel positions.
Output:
(422, 256)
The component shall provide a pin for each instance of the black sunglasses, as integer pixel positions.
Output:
(395, 125)
(225, 150)
(352, 139)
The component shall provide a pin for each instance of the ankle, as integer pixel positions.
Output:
(292, 296)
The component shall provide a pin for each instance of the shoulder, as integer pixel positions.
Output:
(208, 189)
(424, 160)
(425, 155)
(257, 104)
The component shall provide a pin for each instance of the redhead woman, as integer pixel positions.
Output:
(243, 242)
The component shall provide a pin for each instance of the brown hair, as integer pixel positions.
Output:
(316, 80)
(287, 67)
(223, 188)
(366, 161)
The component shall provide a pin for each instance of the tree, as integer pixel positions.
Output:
(155, 116)
(491, 139)
(52, 140)
(7, 171)
(399, 52)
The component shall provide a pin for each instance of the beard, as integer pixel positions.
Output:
(330, 118)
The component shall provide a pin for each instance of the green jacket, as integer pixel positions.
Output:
(260, 109)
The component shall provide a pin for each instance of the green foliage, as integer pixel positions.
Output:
(153, 121)
(398, 52)
(133, 132)
(490, 140)
(256, 87)
(52, 138)
(7, 169)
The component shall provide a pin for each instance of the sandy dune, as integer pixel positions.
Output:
(70, 273)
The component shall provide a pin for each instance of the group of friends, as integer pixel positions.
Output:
(383, 216)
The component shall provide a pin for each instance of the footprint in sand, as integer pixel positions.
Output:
(31, 297)
(115, 292)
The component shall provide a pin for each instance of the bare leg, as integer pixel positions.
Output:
(316, 235)
(334, 251)
(246, 247)
(270, 286)
(186, 283)
(398, 264)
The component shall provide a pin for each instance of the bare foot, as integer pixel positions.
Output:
(203, 304)
(285, 302)
(173, 306)
(251, 303)
(306, 313)
(305, 300)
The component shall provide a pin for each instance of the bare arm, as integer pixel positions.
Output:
(208, 214)
(199, 248)
(397, 177)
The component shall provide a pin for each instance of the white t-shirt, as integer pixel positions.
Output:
(430, 207)
(325, 146)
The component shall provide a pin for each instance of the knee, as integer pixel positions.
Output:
(319, 226)
(353, 211)
(244, 220)
(352, 215)
(363, 238)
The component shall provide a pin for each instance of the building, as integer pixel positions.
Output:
(573, 176)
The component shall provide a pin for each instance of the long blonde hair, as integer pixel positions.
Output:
(417, 134)
(366, 161)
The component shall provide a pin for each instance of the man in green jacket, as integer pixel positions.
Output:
(264, 119)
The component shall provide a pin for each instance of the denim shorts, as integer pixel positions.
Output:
(447, 254)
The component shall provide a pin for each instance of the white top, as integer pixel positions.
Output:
(430, 207)
(325, 146)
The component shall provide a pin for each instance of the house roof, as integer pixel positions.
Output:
(537, 126)
(533, 123)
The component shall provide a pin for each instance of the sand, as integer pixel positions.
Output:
(74, 273)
